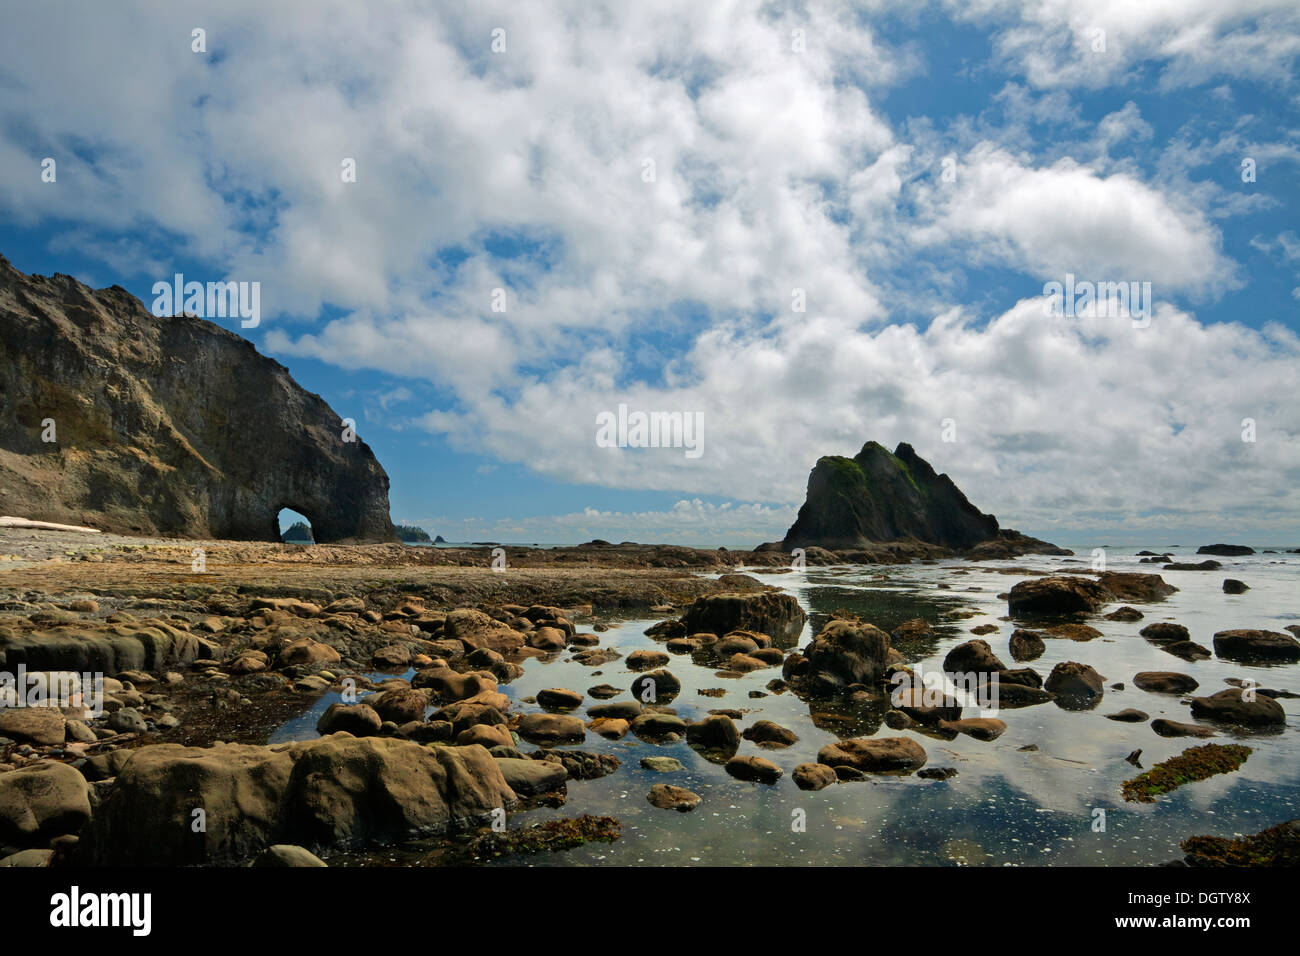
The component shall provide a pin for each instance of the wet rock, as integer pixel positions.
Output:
(1173, 728)
(1129, 716)
(332, 793)
(286, 855)
(813, 776)
(307, 652)
(1026, 645)
(1190, 566)
(552, 729)
(621, 709)
(1165, 682)
(665, 796)
(655, 726)
(359, 720)
(1133, 586)
(1125, 613)
(604, 691)
(400, 705)
(662, 764)
(981, 728)
(844, 653)
(874, 754)
(27, 859)
(43, 726)
(485, 735)
(447, 684)
(1247, 645)
(1187, 650)
(1075, 685)
(1233, 706)
(559, 698)
(1165, 632)
(767, 733)
(467, 713)
(391, 656)
(714, 733)
(972, 657)
(127, 720)
(1233, 586)
(937, 773)
(774, 613)
(1056, 595)
(754, 769)
(611, 728)
(476, 630)
(1073, 631)
(656, 687)
(642, 660)
(528, 778)
(580, 764)
(1226, 550)
(40, 801)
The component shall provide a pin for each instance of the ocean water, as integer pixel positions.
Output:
(1006, 806)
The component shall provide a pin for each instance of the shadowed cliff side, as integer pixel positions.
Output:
(170, 426)
(877, 497)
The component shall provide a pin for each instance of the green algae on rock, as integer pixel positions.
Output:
(1276, 846)
(553, 835)
(1193, 764)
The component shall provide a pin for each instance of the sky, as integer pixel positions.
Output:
(804, 226)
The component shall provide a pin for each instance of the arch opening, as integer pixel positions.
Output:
(294, 527)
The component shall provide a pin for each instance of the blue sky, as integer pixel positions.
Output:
(794, 147)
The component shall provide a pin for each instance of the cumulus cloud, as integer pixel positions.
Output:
(654, 189)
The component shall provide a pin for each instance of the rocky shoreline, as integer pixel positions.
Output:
(201, 666)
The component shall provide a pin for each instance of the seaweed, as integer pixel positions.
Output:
(1194, 763)
(553, 835)
(1276, 846)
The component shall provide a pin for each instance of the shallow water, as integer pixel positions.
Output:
(1005, 807)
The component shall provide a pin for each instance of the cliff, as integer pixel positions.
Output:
(170, 426)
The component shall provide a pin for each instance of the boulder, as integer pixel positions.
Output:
(1225, 550)
(1133, 586)
(716, 732)
(551, 729)
(1233, 586)
(1165, 682)
(286, 855)
(769, 734)
(359, 720)
(844, 653)
(874, 754)
(754, 769)
(559, 698)
(43, 726)
(813, 776)
(981, 728)
(1165, 632)
(1026, 645)
(665, 796)
(1056, 595)
(972, 657)
(528, 778)
(1246, 645)
(1231, 706)
(40, 801)
(1075, 685)
(1173, 728)
(337, 792)
(656, 687)
(773, 613)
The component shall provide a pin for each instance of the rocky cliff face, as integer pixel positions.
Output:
(170, 426)
(878, 497)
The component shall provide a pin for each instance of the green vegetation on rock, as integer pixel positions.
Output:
(1193, 764)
